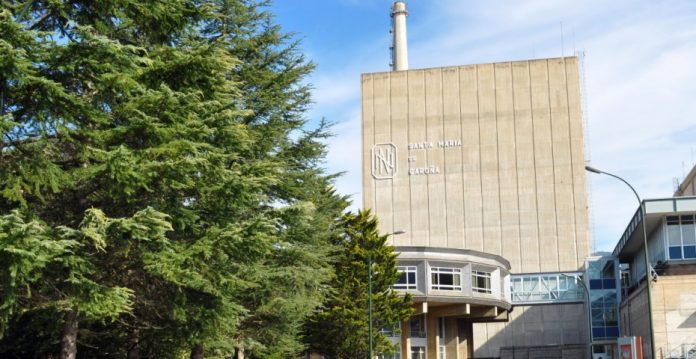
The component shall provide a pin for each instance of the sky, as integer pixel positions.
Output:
(639, 78)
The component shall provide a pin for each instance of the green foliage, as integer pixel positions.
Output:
(32, 252)
(157, 177)
(341, 328)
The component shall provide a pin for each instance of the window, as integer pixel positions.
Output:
(560, 287)
(681, 237)
(417, 327)
(407, 280)
(606, 283)
(481, 281)
(395, 355)
(417, 352)
(394, 331)
(445, 278)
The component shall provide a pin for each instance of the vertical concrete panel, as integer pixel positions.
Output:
(543, 152)
(498, 337)
(417, 132)
(471, 158)
(480, 340)
(577, 145)
(382, 130)
(451, 338)
(432, 339)
(436, 181)
(367, 140)
(526, 174)
(507, 166)
(466, 339)
(453, 158)
(490, 186)
(401, 192)
(406, 339)
(563, 170)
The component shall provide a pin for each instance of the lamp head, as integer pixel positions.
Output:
(593, 170)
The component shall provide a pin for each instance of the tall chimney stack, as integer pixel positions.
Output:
(399, 46)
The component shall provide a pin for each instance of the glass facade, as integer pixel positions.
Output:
(544, 288)
(605, 318)
(604, 298)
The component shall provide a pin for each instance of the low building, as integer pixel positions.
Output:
(670, 224)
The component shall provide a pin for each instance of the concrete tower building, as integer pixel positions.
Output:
(482, 166)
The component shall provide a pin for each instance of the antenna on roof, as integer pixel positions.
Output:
(562, 46)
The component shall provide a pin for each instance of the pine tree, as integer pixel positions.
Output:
(341, 328)
(158, 152)
(271, 74)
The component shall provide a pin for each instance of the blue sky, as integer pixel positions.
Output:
(639, 78)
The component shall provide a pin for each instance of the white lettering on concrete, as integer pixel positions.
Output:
(426, 145)
(449, 143)
(417, 171)
(420, 145)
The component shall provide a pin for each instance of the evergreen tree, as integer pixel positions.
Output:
(271, 77)
(156, 154)
(341, 328)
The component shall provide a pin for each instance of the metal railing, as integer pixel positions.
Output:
(682, 351)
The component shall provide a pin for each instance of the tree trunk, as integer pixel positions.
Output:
(197, 352)
(68, 339)
(134, 345)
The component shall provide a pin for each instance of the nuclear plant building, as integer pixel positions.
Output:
(482, 169)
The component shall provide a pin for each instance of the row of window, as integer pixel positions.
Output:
(444, 278)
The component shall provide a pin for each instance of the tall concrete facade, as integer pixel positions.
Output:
(487, 158)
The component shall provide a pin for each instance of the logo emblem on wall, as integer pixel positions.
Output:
(383, 161)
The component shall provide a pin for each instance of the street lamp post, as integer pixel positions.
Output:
(645, 255)
(369, 289)
(369, 296)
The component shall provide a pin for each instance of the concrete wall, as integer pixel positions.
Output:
(538, 325)
(486, 157)
(673, 310)
(688, 185)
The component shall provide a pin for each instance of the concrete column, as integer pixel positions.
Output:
(432, 339)
(466, 339)
(452, 338)
(406, 339)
